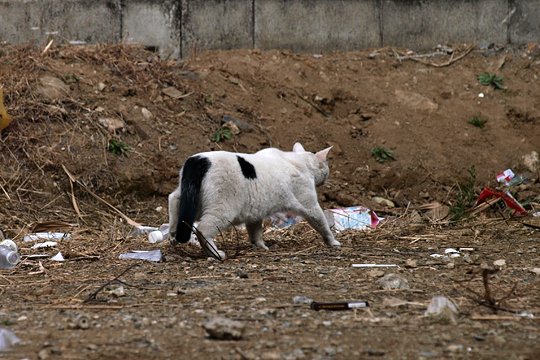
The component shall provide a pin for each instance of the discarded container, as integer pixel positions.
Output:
(159, 235)
(7, 339)
(9, 256)
(149, 255)
(356, 217)
(508, 178)
(50, 236)
(45, 245)
(285, 219)
(508, 199)
(443, 307)
(339, 306)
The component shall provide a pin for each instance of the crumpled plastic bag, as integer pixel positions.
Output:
(7, 339)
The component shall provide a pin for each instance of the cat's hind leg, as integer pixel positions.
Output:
(209, 226)
(255, 231)
(174, 206)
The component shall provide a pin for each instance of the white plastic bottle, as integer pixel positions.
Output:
(9, 257)
(159, 235)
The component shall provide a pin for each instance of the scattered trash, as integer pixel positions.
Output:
(58, 257)
(507, 178)
(117, 291)
(393, 281)
(338, 306)
(159, 235)
(149, 255)
(285, 219)
(443, 307)
(142, 230)
(525, 314)
(7, 339)
(302, 300)
(448, 253)
(481, 95)
(46, 236)
(45, 245)
(373, 265)
(219, 328)
(9, 256)
(356, 217)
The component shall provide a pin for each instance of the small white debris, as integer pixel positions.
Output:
(58, 257)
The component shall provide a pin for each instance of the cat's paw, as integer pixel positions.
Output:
(261, 245)
(334, 243)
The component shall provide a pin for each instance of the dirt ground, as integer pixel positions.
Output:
(112, 124)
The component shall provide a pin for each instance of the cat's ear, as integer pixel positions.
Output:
(298, 148)
(323, 154)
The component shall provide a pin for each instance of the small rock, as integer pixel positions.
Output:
(112, 124)
(220, 328)
(375, 273)
(235, 130)
(393, 281)
(384, 202)
(146, 113)
(410, 263)
(415, 101)
(44, 354)
(53, 88)
(173, 92)
(101, 86)
(454, 348)
(345, 199)
(531, 161)
(499, 263)
(536, 271)
(118, 291)
(242, 274)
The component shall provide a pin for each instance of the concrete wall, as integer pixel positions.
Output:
(179, 27)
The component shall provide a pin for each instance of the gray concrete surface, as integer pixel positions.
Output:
(317, 25)
(179, 28)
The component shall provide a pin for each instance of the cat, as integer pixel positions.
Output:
(222, 188)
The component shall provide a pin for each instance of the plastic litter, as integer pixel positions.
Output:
(373, 265)
(285, 219)
(58, 257)
(7, 339)
(9, 256)
(45, 245)
(142, 230)
(149, 255)
(159, 235)
(508, 179)
(443, 307)
(49, 236)
(300, 299)
(355, 217)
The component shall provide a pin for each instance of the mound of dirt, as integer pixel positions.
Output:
(100, 125)
(69, 103)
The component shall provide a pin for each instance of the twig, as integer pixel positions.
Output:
(92, 296)
(448, 63)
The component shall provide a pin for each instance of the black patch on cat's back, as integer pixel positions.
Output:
(248, 170)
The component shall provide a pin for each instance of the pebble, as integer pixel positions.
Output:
(220, 328)
(393, 281)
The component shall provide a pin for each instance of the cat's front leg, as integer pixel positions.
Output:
(315, 217)
(255, 231)
(174, 207)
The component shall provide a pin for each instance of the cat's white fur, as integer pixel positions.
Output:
(285, 181)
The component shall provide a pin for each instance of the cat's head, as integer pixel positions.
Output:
(317, 162)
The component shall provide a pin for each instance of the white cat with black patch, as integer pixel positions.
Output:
(222, 188)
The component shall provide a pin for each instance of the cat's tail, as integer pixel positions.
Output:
(193, 173)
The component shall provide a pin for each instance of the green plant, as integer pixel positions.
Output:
(478, 121)
(465, 197)
(488, 79)
(221, 134)
(117, 147)
(382, 154)
(209, 99)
